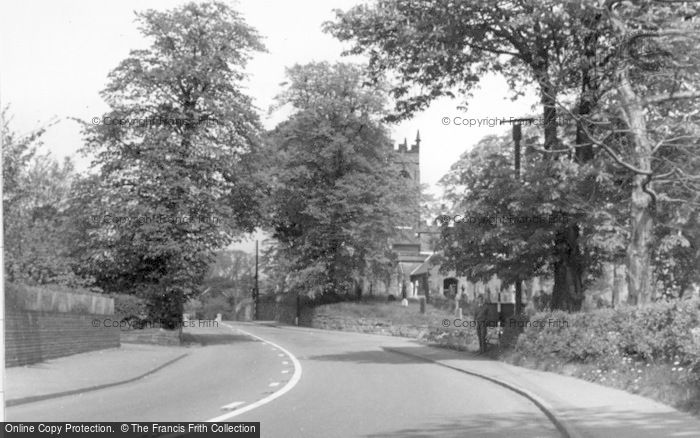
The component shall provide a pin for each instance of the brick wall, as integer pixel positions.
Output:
(32, 336)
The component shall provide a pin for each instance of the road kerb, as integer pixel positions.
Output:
(36, 398)
(564, 427)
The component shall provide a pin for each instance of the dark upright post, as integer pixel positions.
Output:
(256, 291)
(517, 135)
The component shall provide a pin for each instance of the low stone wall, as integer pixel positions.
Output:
(34, 336)
(151, 336)
(464, 339)
(368, 325)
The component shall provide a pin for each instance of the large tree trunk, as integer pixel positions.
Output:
(567, 293)
(518, 297)
(615, 295)
(639, 278)
(639, 269)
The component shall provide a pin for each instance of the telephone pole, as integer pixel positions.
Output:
(517, 135)
(256, 290)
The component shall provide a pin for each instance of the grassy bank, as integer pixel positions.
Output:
(653, 351)
(390, 318)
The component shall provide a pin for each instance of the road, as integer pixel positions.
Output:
(342, 385)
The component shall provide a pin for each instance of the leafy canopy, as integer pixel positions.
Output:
(336, 194)
(180, 144)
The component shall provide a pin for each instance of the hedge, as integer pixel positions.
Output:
(662, 332)
(129, 307)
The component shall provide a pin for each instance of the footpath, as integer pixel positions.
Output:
(86, 372)
(578, 408)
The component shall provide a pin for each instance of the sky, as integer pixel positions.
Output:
(55, 56)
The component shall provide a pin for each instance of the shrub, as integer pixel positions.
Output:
(660, 332)
(193, 307)
(80, 308)
(443, 303)
(129, 308)
(214, 305)
(542, 301)
(165, 308)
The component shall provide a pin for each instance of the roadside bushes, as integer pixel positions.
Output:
(131, 309)
(455, 339)
(651, 350)
(165, 308)
(662, 332)
(212, 306)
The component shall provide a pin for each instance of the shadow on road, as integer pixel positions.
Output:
(510, 425)
(396, 355)
(204, 339)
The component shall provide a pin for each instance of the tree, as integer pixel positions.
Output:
(232, 274)
(506, 225)
(654, 109)
(571, 50)
(175, 157)
(337, 196)
(36, 197)
(647, 124)
(436, 47)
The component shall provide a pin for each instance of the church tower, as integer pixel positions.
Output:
(409, 160)
(407, 244)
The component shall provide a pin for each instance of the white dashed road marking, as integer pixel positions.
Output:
(286, 388)
(232, 406)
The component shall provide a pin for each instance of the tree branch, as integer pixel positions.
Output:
(663, 98)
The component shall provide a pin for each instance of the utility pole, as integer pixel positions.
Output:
(517, 135)
(256, 290)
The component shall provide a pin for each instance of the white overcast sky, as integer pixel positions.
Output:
(55, 56)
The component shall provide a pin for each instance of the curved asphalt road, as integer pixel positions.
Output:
(350, 387)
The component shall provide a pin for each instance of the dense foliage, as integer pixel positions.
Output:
(174, 158)
(337, 194)
(36, 221)
(624, 74)
(667, 332)
(505, 225)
